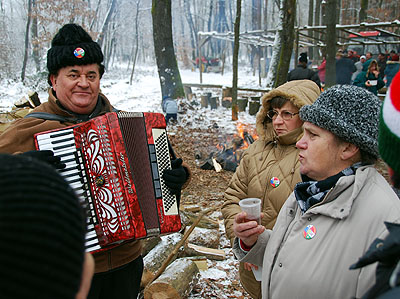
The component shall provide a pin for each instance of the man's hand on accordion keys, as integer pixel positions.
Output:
(176, 177)
(46, 156)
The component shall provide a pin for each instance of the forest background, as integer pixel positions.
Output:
(124, 29)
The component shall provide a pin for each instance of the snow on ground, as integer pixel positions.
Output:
(145, 95)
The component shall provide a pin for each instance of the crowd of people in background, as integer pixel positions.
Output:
(363, 70)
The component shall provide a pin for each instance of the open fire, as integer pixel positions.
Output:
(226, 155)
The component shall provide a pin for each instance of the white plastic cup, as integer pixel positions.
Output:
(252, 207)
(257, 273)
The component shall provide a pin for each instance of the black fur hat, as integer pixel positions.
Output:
(303, 57)
(72, 45)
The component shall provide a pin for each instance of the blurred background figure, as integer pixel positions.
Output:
(322, 70)
(302, 71)
(359, 67)
(392, 68)
(42, 251)
(370, 79)
(344, 68)
(170, 108)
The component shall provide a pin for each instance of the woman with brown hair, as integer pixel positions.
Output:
(370, 79)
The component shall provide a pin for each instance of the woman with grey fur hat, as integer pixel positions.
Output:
(337, 210)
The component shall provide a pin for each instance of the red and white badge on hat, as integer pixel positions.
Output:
(79, 53)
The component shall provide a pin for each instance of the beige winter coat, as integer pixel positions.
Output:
(346, 222)
(268, 157)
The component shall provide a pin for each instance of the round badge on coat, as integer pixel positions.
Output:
(309, 232)
(79, 52)
(275, 182)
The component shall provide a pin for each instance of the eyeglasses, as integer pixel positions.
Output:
(285, 115)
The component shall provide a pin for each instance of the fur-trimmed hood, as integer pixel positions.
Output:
(298, 92)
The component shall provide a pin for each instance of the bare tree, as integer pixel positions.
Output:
(330, 78)
(28, 22)
(136, 47)
(170, 78)
(283, 44)
(363, 10)
(235, 60)
(107, 19)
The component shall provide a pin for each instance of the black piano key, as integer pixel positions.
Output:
(63, 140)
(56, 148)
(60, 134)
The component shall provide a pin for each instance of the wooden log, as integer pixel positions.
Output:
(206, 222)
(242, 104)
(253, 107)
(204, 101)
(149, 243)
(205, 237)
(226, 102)
(187, 90)
(176, 282)
(226, 92)
(210, 253)
(34, 99)
(214, 102)
(158, 255)
(174, 252)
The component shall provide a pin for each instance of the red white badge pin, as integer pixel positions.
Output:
(79, 52)
(309, 232)
(275, 182)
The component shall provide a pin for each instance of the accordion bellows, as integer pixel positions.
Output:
(115, 163)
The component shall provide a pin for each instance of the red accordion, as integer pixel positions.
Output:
(115, 163)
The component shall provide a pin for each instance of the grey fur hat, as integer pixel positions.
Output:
(349, 112)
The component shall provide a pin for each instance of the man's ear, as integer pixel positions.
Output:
(350, 151)
(53, 79)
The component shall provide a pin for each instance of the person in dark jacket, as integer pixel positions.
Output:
(75, 68)
(302, 72)
(392, 67)
(387, 252)
(370, 79)
(344, 69)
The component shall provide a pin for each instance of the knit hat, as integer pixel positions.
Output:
(72, 45)
(389, 126)
(349, 112)
(303, 57)
(42, 231)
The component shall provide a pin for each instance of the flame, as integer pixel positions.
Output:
(243, 130)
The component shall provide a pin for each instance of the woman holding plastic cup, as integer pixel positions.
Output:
(269, 169)
(370, 79)
(334, 214)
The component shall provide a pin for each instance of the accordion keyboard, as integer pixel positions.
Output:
(63, 146)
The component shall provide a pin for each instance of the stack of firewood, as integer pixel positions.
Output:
(172, 263)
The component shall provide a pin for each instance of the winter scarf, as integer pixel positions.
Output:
(309, 192)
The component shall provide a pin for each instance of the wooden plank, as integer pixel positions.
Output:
(203, 85)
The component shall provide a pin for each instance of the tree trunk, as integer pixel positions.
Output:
(35, 39)
(107, 19)
(283, 44)
(28, 22)
(193, 31)
(330, 78)
(170, 78)
(176, 282)
(235, 60)
(363, 11)
(136, 50)
(310, 23)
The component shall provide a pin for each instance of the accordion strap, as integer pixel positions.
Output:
(56, 117)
